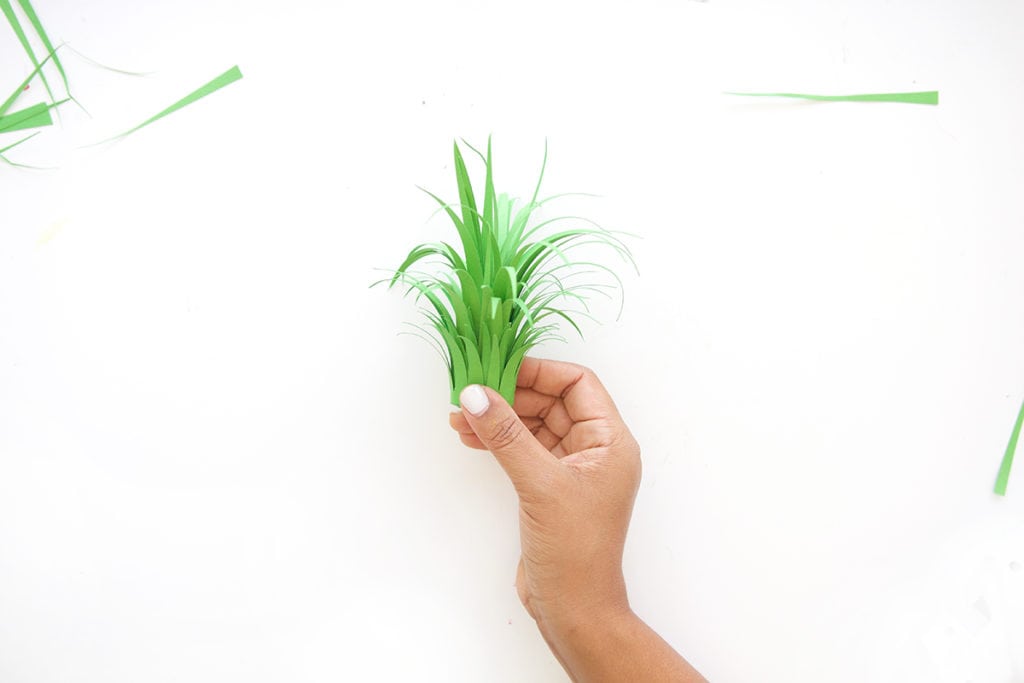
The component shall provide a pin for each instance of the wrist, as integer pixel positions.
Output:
(592, 644)
(579, 624)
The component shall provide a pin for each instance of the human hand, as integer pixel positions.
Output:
(576, 469)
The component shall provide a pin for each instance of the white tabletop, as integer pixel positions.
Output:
(219, 462)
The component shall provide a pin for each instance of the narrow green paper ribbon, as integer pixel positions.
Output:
(1004, 468)
(12, 146)
(924, 97)
(230, 76)
(24, 84)
(36, 116)
(33, 18)
(15, 144)
(12, 19)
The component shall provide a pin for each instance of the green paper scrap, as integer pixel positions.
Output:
(39, 115)
(21, 88)
(36, 116)
(506, 290)
(12, 146)
(924, 97)
(33, 18)
(106, 67)
(12, 19)
(230, 76)
(1004, 469)
(15, 144)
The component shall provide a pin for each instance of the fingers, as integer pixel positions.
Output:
(550, 439)
(534, 409)
(549, 409)
(581, 392)
(551, 398)
(526, 461)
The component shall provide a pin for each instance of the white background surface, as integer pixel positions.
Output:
(219, 462)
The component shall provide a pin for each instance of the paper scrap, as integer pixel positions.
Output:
(36, 116)
(924, 97)
(12, 19)
(230, 76)
(1004, 469)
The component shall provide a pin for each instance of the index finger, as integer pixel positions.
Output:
(582, 393)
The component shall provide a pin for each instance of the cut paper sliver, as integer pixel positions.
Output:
(36, 116)
(923, 97)
(1004, 468)
(230, 76)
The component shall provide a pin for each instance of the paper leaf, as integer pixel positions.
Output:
(489, 304)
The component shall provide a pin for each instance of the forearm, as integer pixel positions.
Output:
(615, 646)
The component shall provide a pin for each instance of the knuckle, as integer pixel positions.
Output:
(580, 370)
(506, 432)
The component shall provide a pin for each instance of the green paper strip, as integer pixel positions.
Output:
(1004, 468)
(230, 76)
(15, 144)
(24, 84)
(12, 146)
(33, 18)
(36, 116)
(105, 67)
(924, 97)
(12, 19)
(8, 124)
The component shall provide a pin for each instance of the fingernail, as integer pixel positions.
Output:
(474, 399)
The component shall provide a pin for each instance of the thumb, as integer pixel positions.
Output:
(523, 458)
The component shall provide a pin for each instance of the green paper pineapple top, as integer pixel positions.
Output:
(510, 285)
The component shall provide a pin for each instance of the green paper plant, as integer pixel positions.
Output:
(510, 285)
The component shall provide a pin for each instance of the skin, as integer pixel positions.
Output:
(576, 469)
